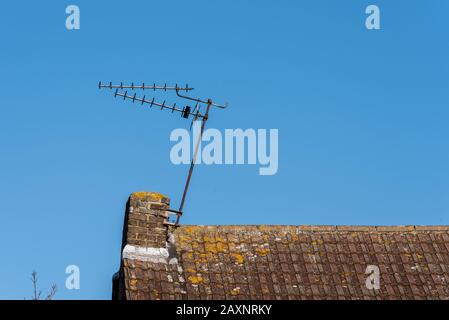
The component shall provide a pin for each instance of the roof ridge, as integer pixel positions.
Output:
(327, 228)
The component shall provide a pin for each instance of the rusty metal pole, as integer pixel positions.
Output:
(192, 164)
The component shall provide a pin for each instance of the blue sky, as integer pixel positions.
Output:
(362, 118)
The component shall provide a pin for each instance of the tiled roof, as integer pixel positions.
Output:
(289, 262)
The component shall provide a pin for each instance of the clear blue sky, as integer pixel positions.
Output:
(362, 118)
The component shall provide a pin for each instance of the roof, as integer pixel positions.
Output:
(290, 262)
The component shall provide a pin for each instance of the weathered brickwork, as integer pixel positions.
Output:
(146, 217)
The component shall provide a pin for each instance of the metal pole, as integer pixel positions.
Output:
(192, 164)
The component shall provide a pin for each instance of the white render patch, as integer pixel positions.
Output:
(156, 255)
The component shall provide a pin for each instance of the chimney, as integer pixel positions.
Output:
(145, 239)
(145, 220)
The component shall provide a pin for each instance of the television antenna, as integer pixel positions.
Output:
(121, 91)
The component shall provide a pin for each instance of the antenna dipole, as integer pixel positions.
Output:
(143, 87)
(186, 111)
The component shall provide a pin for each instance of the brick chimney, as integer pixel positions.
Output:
(144, 221)
(145, 237)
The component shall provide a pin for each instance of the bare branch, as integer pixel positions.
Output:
(34, 279)
(52, 292)
(38, 293)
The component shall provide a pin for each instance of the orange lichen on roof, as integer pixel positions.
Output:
(196, 279)
(238, 258)
(235, 291)
(203, 258)
(191, 229)
(262, 251)
(214, 247)
(156, 294)
(133, 284)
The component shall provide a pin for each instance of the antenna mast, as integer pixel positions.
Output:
(185, 111)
